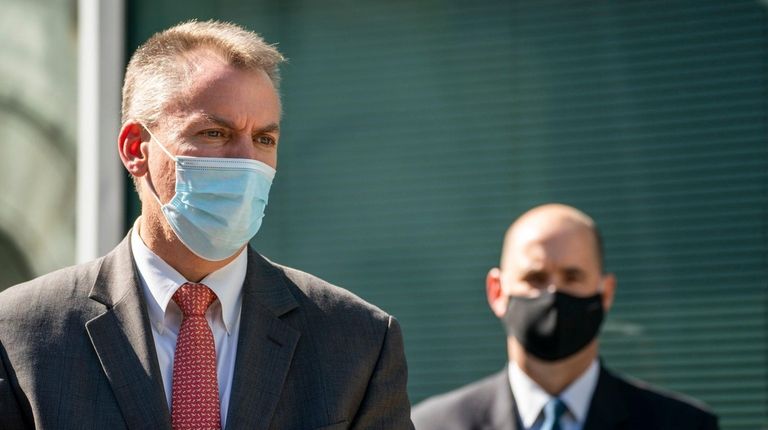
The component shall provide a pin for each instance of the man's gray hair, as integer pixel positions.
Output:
(162, 66)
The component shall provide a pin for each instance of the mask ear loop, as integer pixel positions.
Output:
(157, 142)
(146, 178)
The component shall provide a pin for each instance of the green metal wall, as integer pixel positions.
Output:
(415, 132)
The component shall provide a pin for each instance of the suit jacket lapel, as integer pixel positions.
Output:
(122, 339)
(502, 413)
(608, 410)
(265, 347)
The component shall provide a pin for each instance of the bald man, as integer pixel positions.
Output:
(552, 293)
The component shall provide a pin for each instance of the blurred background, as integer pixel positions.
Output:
(415, 132)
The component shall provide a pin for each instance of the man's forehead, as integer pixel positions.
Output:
(527, 258)
(535, 244)
(205, 70)
(196, 107)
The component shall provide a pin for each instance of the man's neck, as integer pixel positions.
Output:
(159, 238)
(552, 376)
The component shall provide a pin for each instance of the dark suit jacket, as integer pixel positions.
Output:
(76, 352)
(616, 404)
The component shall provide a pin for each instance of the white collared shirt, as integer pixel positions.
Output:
(531, 398)
(159, 281)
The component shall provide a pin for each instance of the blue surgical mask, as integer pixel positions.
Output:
(218, 204)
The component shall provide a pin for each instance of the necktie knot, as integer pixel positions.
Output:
(194, 299)
(553, 411)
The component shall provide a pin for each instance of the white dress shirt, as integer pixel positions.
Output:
(531, 398)
(159, 281)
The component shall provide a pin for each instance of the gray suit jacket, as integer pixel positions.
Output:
(76, 352)
(617, 404)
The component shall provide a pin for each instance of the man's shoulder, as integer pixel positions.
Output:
(647, 403)
(462, 408)
(51, 303)
(54, 287)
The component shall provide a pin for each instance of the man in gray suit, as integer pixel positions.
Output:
(551, 293)
(183, 325)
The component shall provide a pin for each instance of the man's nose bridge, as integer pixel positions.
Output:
(241, 146)
(554, 282)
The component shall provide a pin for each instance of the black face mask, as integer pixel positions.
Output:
(555, 325)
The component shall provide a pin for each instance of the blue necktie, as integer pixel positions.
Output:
(553, 410)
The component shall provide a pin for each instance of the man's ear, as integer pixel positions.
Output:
(131, 149)
(609, 290)
(497, 300)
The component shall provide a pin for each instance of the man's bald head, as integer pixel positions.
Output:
(551, 219)
(550, 249)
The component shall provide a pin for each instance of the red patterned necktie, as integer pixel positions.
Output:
(195, 390)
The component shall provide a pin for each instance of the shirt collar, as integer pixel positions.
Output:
(161, 281)
(531, 398)
(578, 395)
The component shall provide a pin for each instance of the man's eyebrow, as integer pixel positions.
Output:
(216, 120)
(574, 271)
(270, 128)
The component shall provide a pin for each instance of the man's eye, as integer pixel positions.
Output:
(573, 276)
(213, 133)
(265, 140)
(536, 279)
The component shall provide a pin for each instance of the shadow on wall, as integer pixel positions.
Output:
(14, 268)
